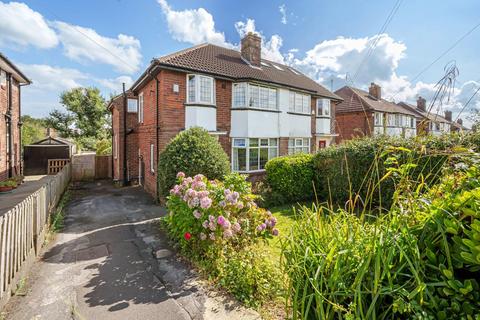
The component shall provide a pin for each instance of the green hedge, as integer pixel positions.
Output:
(291, 178)
(192, 151)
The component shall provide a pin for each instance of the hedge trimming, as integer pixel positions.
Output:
(291, 178)
(192, 151)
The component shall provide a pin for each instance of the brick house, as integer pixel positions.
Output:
(432, 123)
(11, 81)
(258, 109)
(364, 113)
(427, 122)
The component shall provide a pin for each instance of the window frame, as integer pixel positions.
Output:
(3, 77)
(325, 104)
(197, 84)
(255, 96)
(294, 148)
(248, 145)
(129, 100)
(378, 116)
(302, 108)
(140, 107)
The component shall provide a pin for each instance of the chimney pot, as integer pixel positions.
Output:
(375, 91)
(460, 121)
(251, 48)
(421, 104)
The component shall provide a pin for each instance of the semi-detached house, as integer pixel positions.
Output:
(257, 108)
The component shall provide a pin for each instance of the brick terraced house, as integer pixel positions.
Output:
(432, 123)
(364, 113)
(11, 81)
(257, 108)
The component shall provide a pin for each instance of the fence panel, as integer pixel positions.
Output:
(23, 228)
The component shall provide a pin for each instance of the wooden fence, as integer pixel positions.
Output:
(56, 165)
(23, 229)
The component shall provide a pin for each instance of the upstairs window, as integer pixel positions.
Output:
(378, 119)
(200, 89)
(132, 105)
(253, 96)
(140, 107)
(323, 107)
(299, 103)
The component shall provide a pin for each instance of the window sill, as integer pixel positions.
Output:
(200, 104)
(255, 109)
(323, 117)
(251, 171)
(299, 114)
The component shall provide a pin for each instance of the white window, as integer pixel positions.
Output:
(390, 120)
(251, 154)
(115, 146)
(323, 107)
(140, 107)
(132, 105)
(254, 96)
(298, 145)
(152, 158)
(412, 122)
(299, 103)
(398, 120)
(3, 78)
(200, 89)
(378, 119)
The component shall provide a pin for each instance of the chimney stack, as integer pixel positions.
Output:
(375, 91)
(421, 104)
(252, 48)
(460, 122)
(448, 115)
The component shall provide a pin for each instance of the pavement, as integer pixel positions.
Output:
(30, 185)
(112, 261)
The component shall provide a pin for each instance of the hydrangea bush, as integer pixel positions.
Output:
(215, 222)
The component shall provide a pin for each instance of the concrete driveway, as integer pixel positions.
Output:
(112, 262)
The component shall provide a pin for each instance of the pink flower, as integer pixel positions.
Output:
(275, 232)
(205, 203)
(227, 192)
(236, 227)
(189, 180)
(191, 193)
(240, 205)
(180, 175)
(221, 220)
(197, 214)
(187, 236)
(226, 224)
(212, 226)
(203, 236)
(211, 218)
(205, 224)
(198, 177)
(222, 204)
(212, 236)
(227, 234)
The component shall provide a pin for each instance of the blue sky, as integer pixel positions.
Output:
(63, 44)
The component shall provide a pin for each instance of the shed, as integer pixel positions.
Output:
(36, 156)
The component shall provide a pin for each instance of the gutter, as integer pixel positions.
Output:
(9, 124)
(125, 180)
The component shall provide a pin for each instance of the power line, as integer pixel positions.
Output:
(374, 44)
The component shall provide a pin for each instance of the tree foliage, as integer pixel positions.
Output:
(86, 118)
(33, 129)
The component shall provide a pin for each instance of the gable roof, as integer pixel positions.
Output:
(357, 100)
(228, 63)
(8, 66)
(423, 114)
(50, 141)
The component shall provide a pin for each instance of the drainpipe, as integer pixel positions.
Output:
(157, 125)
(125, 180)
(9, 125)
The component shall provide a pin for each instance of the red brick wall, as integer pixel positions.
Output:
(117, 108)
(223, 90)
(351, 125)
(15, 119)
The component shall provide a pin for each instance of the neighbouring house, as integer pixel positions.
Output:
(258, 109)
(457, 126)
(428, 122)
(364, 113)
(47, 156)
(11, 81)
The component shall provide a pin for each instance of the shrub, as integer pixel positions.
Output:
(290, 177)
(420, 260)
(192, 151)
(216, 224)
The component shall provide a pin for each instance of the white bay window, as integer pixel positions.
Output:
(200, 89)
(251, 154)
(246, 95)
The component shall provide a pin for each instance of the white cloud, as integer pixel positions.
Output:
(193, 26)
(20, 26)
(115, 85)
(80, 44)
(283, 13)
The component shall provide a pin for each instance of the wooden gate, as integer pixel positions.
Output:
(103, 167)
(56, 165)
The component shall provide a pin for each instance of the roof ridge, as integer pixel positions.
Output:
(181, 52)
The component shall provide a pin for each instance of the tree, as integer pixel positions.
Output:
(86, 118)
(33, 129)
